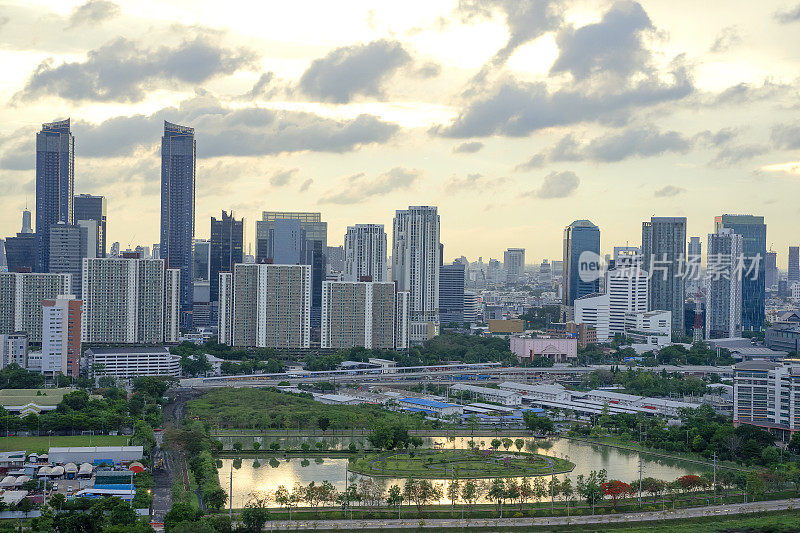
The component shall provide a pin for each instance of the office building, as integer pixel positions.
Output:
(555, 349)
(663, 256)
(67, 249)
(266, 306)
(724, 295)
(794, 265)
(649, 327)
(767, 395)
(514, 264)
(21, 296)
(201, 269)
(415, 266)
(129, 300)
(754, 251)
(201, 304)
(14, 349)
(227, 249)
(581, 270)
(472, 312)
(115, 250)
(2, 255)
(365, 253)
(545, 275)
(594, 311)
(177, 208)
(362, 313)
(626, 285)
(451, 293)
(771, 271)
(61, 336)
(55, 182)
(89, 207)
(335, 258)
(284, 248)
(21, 252)
(126, 363)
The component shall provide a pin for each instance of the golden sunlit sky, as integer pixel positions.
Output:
(513, 117)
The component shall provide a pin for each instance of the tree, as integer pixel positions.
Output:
(25, 505)
(794, 443)
(507, 443)
(496, 443)
(653, 486)
(256, 445)
(519, 443)
(253, 517)
(180, 512)
(323, 423)
(497, 493)
(453, 492)
(395, 497)
(536, 423)
(237, 446)
(389, 435)
(590, 488)
(616, 489)
(471, 492)
(215, 498)
(690, 482)
(755, 486)
(421, 492)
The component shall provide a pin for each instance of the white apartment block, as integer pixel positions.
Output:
(514, 264)
(124, 363)
(650, 327)
(129, 301)
(61, 336)
(21, 296)
(767, 395)
(365, 253)
(266, 306)
(627, 291)
(360, 314)
(14, 349)
(594, 310)
(415, 267)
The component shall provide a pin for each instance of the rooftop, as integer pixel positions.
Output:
(128, 350)
(756, 365)
(41, 397)
(427, 403)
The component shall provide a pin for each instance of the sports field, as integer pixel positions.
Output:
(41, 444)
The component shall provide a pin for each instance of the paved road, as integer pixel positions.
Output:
(415, 523)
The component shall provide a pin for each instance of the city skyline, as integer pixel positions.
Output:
(385, 109)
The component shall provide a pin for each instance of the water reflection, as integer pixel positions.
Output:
(277, 470)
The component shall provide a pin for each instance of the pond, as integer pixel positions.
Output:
(619, 464)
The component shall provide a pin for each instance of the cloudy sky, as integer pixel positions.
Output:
(514, 117)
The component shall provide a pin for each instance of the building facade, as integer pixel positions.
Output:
(67, 249)
(664, 257)
(724, 294)
(514, 263)
(627, 291)
(594, 311)
(89, 207)
(227, 248)
(55, 182)
(771, 271)
(581, 260)
(61, 336)
(178, 149)
(767, 395)
(559, 350)
(125, 363)
(415, 266)
(365, 253)
(794, 265)
(21, 296)
(14, 349)
(451, 293)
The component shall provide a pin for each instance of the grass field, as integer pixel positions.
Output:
(463, 463)
(41, 444)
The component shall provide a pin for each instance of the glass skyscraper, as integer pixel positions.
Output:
(754, 249)
(227, 248)
(451, 293)
(664, 258)
(579, 237)
(55, 182)
(178, 149)
(89, 207)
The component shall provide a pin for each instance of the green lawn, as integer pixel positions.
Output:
(41, 444)
(463, 463)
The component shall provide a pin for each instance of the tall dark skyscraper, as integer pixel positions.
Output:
(177, 207)
(55, 182)
(579, 237)
(67, 250)
(88, 207)
(794, 265)
(663, 252)
(754, 250)
(451, 293)
(227, 248)
(771, 272)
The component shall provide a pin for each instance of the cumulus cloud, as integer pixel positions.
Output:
(472, 183)
(731, 155)
(93, 12)
(729, 36)
(786, 136)
(613, 45)
(349, 71)
(556, 185)
(536, 161)
(124, 70)
(468, 147)
(358, 187)
(306, 184)
(283, 177)
(668, 191)
(788, 16)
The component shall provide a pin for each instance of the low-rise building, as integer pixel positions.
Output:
(430, 406)
(130, 362)
(651, 327)
(96, 454)
(508, 326)
(503, 397)
(14, 349)
(558, 350)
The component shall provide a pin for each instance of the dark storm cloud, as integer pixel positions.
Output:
(556, 185)
(354, 70)
(125, 71)
(93, 12)
(358, 187)
(468, 147)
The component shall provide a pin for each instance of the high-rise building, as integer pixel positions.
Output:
(771, 271)
(227, 248)
(14, 349)
(581, 271)
(21, 296)
(67, 250)
(61, 336)
(365, 253)
(594, 310)
(724, 296)
(451, 293)
(626, 285)
(89, 207)
(663, 257)
(471, 307)
(115, 250)
(26, 222)
(21, 252)
(2, 255)
(415, 266)
(314, 247)
(754, 249)
(130, 300)
(514, 264)
(545, 275)
(177, 207)
(794, 265)
(202, 259)
(55, 181)
(335, 258)
(360, 313)
(266, 306)
(767, 395)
